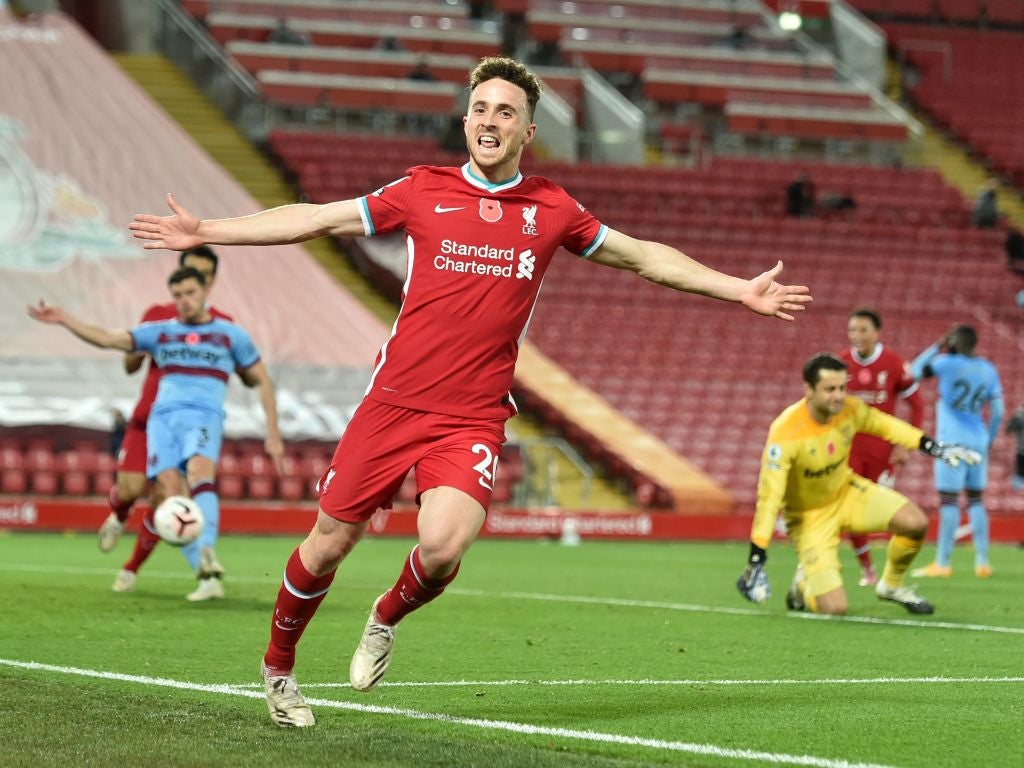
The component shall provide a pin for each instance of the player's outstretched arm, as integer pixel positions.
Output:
(666, 266)
(287, 224)
(256, 376)
(93, 334)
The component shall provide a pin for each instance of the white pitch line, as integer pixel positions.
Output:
(580, 599)
(632, 683)
(625, 603)
(707, 750)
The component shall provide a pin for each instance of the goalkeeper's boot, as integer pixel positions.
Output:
(109, 533)
(795, 595)
(287, 707)
(905, 596)
(932, 571)
(124, 581)
(373, 656)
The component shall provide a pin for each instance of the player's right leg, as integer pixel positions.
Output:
(130, 485)
(817, 584)
(307, 578)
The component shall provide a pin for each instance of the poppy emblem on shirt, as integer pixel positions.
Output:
(191, 338)
(490, 210)
(831, 448)
(863, 376)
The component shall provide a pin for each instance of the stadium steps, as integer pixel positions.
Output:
(201, 119)
(957, 167)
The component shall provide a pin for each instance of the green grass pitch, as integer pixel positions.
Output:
(607, 654)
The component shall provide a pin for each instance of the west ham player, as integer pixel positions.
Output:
(131, 483)
(879, 377)
(196, 354)
(479, 241)
(806, 475)
(967, 383)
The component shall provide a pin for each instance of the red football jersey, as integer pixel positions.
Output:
(152, 381)
(477, 254)
(878, 380)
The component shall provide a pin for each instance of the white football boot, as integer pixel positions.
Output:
(373, 656)
(287, 707)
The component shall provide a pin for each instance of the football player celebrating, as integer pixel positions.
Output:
(480, 239)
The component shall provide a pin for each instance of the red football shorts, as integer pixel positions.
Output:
(381, 444)
(132, 456)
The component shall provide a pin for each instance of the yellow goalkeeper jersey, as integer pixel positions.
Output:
(806, 465)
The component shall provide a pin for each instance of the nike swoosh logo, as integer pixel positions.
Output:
(439, 209)
(279, 625)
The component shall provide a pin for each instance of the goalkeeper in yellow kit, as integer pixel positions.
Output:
(806, 476)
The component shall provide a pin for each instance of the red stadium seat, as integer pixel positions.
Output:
(44, 482)
(230, 486)
(102, 482)
(261, 487)
(76, 483)
(293, 488)
(13, 481)
(11, 458)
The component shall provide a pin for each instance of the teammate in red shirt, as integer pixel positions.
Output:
(131, 483)
(479, 240)
(879, 377)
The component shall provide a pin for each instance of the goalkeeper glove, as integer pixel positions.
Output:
(753, 582)
(950, 454)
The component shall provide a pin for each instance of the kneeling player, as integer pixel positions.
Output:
(805, 473)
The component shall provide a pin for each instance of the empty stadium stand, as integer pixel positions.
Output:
(966, 84)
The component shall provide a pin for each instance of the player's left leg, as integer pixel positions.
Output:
(201, 555)
(448, 523)
(977, 480)
(454, 479)
(908, 525)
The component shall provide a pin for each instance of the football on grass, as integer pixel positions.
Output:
(178, 520)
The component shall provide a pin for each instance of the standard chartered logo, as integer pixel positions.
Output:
(526, 265)
(485, 260)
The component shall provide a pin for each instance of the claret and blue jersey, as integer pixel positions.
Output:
(196, 361)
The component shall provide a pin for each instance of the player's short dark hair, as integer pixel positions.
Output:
(181, 274)
(203, 252)
(868, 314)
(491, 67)
(963, 339)
(823, 361)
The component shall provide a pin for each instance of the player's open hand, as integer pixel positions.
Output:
(47, 313)
(178, 232)
(767, 297)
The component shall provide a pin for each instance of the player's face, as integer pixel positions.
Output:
(862, 334)
(189, 299)
(826, 398)
(497, 128)
(202, 266)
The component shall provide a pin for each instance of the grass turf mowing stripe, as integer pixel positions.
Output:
(706, 750)
(580, 599)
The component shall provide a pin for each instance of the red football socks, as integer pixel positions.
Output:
(300, 595)
(145, 542)
(411, 591)
(862, 549)
(123, 509)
